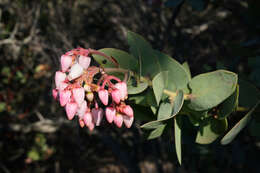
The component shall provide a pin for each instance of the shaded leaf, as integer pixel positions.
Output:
(210, 89)
(159, 82)
(177, 135)
(156, 132)
(187, 69)
(165, 110)
(238, 127)
(137, 89)
(248, 94)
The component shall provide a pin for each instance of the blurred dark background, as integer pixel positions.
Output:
(34, 133)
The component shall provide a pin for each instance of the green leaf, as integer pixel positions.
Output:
(178, 77)
(177, 105)
(33, 154)
(124, 59)
(165, 110)
(210, 89)
(177, 135)
(156, 132)
(143, 51)
(137, 89)
(210, 131)
(187, 69)
(159, 82)
(238, 127)
(229, 105)
(146, 98)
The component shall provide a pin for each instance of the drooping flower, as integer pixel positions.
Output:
(122, 87)
(75, 71)
(59, 77)
(118, 120)
(71, 109)
(78, 95)
(103, 96)
(128, 121)
(64, 97)
(66, 62)
(87, 118)
(127, 110)
(97, 115)
(110, 114)
(82, 109)
(55, 93)
(116, 96)
(84, 61)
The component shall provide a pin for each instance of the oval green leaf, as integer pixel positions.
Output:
(159, 82)
(210, 89)
(137, 89)
(177, 136)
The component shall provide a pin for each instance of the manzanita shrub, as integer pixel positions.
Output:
(92, 83)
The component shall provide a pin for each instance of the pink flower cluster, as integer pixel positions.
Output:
(89, 92)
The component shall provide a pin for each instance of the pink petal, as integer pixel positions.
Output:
(54, 93)
(103, 96)
(78, 95)
(128, 111)
(91, 126)
(118, 120)
(64, 97)
(82, 109)
(71, 109)
(75, 72)
(110, 114)
(116, 96)
(122, 87)
(87, 118)
(59, 77)
(128, 121)
(84, 61)
(63, 85)
(81, 123)
(97, 115)
(66, 62)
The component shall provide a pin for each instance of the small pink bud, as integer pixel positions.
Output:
(81, 123)
(78, 95)
(84, 61)
(55, 93)
(87, 118)
(110, 114)
(103, 96)
(71, 109)
(59, 77)
(64, 97)
(128, 121)
(116, 96)
(75, 72)
(128, 111)
(122, 87)
(97, 115)
(63, 85)
(82, 109)
(66, 61)
(118, 120)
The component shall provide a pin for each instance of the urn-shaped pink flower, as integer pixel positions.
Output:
(84, 61)
(116, 95)
(71, 109)
(122, 87)
(103, 96)
(59, 77)
(97, 115)
(64, 97)
(55, 93)
(75, 71)
(66, 62)
(127, 110)
(78, 95)
(128, 121)
(118, 120)
(87, 118)
(82, 109)
(110, 114)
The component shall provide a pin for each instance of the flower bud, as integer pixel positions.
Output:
(87, 88)
(81, 123)
(128, 121)
(90, 96)
(127, 110)
(116, 96)
(84, 61)
(103, 96)
(122, 87)
(66, 62)
(59, 77)
(71, 109)
(55, 93)
(110, 114)
(118, 120)
(78, 95)
(64, 97)
(97, 115)
(75, 72)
